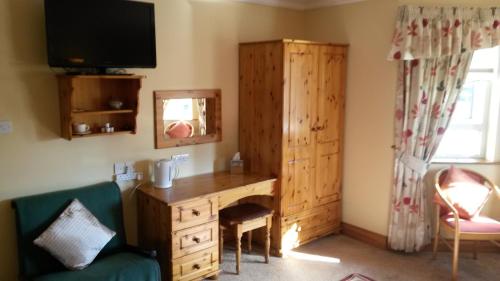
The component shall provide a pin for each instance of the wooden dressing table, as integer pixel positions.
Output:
(182, 222)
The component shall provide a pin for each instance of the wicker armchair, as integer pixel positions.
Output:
(477, 228)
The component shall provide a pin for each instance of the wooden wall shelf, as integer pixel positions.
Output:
(114, 77)
(99, 112)
(85, 99)
(102, 134)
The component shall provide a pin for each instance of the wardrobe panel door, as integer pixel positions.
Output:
(300, 108)
(298, 186)
(328, 174)
(302, 98)
(329, 124)
(330, 94)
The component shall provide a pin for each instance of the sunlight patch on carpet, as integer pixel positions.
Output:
(310, 257)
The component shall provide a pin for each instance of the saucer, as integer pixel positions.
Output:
(83, 133)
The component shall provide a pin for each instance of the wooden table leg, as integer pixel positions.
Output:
(221, 243)
(239, 233)
(269, 221)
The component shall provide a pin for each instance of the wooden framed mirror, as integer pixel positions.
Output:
(187, 117)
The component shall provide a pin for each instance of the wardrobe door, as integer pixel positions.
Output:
(300, 99)
(329, 125)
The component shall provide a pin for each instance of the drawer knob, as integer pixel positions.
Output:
(196, 212)
(196, 266)
(196, 239)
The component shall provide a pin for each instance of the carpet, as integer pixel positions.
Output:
(357, 277)
(338, 256)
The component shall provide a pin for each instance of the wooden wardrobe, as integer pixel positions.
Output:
(291, 118)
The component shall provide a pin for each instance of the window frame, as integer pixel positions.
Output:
(490, 146)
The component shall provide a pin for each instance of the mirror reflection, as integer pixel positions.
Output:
(188, 117)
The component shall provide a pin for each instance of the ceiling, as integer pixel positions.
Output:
(300, 4)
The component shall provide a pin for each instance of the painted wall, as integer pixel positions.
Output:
(370, 99)
(197, 47)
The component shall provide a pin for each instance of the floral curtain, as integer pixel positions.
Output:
(426, 95)
(435, 47)
(430, 32)
(202, 119)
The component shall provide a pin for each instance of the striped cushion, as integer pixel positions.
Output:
(76, 237)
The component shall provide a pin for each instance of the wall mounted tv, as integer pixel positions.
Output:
(100, 34)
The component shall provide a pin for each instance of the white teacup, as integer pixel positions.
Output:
(80, 128)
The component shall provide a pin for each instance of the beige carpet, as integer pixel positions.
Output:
(356, 257)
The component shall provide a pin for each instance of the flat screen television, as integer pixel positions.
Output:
(100, 34)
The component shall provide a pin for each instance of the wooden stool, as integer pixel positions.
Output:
(245, 218)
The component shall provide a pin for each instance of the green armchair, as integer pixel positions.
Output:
(116, 262)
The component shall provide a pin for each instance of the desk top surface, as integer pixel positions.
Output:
(200, 185)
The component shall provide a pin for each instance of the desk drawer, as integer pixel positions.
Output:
(194, 212)
(199, 264)
(190, 240)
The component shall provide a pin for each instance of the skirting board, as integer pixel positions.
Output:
(363, 235)
(380, 241)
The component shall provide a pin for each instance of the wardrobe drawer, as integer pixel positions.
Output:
(194, 212)
(197, 265)
(193, 239)
(312, 224)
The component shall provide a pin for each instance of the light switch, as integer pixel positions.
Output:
(5, 127)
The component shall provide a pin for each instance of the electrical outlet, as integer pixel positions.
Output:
(126, 177)
(5, 127)
(120, 168)
(129, 176)
(180, 158)
(125, 171)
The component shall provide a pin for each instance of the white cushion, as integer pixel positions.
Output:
(76, 237)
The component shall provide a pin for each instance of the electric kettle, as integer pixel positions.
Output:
(164, 173)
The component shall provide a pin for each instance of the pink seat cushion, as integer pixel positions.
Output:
(478, 224)
(180, 129)
(465, 191)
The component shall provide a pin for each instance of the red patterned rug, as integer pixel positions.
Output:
(357, 277)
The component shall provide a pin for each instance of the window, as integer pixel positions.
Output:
(178, 109)
(473, 131)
